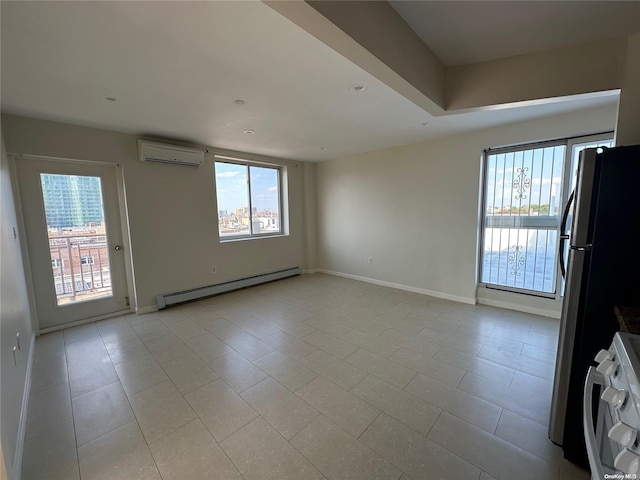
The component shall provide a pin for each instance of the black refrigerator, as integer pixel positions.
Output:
(602, 271)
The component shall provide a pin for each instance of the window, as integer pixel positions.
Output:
(249, 199)
(86, 260)
(526, 189)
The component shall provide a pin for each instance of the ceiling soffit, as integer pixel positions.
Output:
(401, 60)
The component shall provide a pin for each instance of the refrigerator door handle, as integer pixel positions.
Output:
(585, 248)
(564, 237)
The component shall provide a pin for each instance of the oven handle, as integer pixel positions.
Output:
(593, 378)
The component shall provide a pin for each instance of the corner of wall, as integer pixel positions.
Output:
(16, 322)
(310, 199)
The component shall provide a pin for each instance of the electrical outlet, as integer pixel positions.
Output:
(214, 269)
(370, 260)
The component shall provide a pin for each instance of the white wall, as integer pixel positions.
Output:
(628, 127)
(538, 76)
(415, 209)
(15, 317)
(172, 211)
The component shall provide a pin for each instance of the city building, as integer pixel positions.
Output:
(71, 200)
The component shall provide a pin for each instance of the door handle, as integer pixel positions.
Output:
(118, 247)
(563, 236)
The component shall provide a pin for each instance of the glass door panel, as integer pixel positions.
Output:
(77, 235)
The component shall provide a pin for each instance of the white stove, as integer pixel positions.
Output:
(613, 442)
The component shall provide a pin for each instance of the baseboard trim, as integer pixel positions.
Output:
(520, 308)
(148, 309)
(24, 409)
(97, 318)
(400, 286)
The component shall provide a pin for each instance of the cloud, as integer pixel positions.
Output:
(546, 181)
(272, 189)
(227, 174)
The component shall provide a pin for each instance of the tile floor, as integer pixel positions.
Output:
(313, 377)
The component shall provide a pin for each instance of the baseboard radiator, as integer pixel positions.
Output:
(202, 292)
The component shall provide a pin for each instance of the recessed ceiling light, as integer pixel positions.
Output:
(324, 148)
(239, 101)
(109, 98)
(358, 88)
(424, 123)
(248, 131)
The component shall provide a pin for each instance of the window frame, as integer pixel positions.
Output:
(568, 142)
(248, 164)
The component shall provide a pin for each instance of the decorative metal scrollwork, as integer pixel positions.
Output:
(517, 259)
(521, 182)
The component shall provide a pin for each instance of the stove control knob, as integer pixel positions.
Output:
(623, 434)
(607, 367)
(614, 397)
(628, 462)
(603, 355)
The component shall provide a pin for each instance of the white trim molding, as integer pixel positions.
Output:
(399, 286)
(85, 321)
(520, 308)
(147, 309)
(24, 409)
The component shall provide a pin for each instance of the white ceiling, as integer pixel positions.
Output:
(464, 32)
(176, 69)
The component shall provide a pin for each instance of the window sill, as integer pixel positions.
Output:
(255, 237)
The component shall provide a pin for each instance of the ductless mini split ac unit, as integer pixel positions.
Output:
(172, 154)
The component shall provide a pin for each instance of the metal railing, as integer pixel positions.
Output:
(520, 258)
(522, 195)
(80, 265)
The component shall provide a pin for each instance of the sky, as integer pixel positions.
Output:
(232, 189)
(541, 167)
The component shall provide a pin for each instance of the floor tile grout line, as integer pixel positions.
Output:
(238, 394)
(522, 448)
(495, 430)
(493, 403)
(390, 415)
(128, 397)
(348, 307)
(454, 453)
(73, 417)
(357, 439)
(499, 438)
(219, 444)
(369, 426)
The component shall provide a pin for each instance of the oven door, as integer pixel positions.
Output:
(600, 448)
